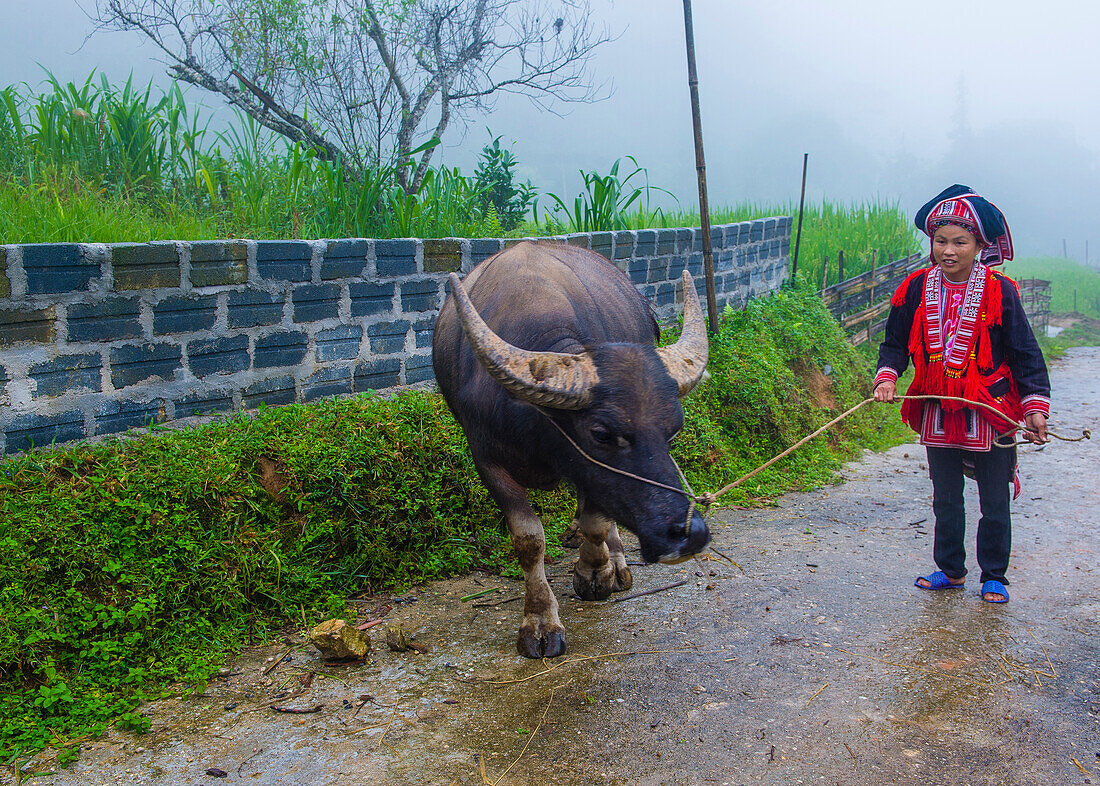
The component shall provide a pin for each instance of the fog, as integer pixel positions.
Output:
(891, 101)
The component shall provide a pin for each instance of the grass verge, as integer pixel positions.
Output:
(131, 567)
(1073, 286)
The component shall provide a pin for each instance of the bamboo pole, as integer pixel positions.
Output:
(700, 169)
(801, 204)
(871, 292)
(825, 275)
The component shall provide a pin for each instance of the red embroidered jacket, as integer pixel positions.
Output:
(995, 360)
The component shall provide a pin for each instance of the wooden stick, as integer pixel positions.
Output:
(871, 300)
(498, 602)
(1081, 768)
(396, 702)
(277, 661)
(299, 710)
(1053, 673)
(730, 561)
(673, 585)
(823, 687)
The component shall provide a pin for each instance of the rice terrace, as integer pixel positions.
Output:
(478, 392)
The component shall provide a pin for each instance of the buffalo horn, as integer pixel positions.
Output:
(686, 360)
(549, 379)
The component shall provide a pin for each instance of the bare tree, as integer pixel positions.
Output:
(363, 81)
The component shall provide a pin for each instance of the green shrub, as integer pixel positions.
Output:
(495, 180)
(131, 564)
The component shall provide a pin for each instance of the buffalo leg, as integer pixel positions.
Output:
(601, 566)
(624, 580)
(541, 635)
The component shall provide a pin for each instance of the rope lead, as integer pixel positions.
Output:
(707, 499)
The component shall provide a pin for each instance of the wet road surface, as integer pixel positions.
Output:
(811, 660)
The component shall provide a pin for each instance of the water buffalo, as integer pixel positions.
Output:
(539, 335)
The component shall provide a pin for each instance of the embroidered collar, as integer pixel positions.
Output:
(962, 348)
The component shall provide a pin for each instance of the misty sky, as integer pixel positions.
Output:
(891, 100)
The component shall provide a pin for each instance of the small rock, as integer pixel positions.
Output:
(339, 641)
(214, 772)
(400, 641)
(231, 706)
(698, 689)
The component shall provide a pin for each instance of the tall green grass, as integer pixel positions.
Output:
(82, 152)
(98, 163)
(1066, 278)
(56, 209)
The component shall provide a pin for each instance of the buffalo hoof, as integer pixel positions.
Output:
(592, 584)
(541, 641)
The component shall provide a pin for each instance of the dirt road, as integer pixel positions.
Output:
(812, 660)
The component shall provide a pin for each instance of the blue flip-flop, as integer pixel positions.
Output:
(997, 587)
(938, 581)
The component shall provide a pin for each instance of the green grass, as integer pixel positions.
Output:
(1084, 332)
(71, 211)
(122, 163)
(1066, 277)
(129, 566)
(95, 162)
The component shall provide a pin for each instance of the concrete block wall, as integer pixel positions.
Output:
(97, 339)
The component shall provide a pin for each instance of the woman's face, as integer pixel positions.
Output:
(954, 250)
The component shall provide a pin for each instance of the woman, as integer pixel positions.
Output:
(965, 329)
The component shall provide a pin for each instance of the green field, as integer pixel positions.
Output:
(1069, 280)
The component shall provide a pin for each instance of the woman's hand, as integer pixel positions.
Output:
(1037, 425)
(885, 391)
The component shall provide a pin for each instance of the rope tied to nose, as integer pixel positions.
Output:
(707, 499)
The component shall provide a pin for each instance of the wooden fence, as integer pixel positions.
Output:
(1035, 294)
(862, 303)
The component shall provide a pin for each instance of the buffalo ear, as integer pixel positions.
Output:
(548, 379)
(686, 360)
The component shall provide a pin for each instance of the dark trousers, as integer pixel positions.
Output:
(993, 471)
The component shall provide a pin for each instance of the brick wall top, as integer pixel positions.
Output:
(98, 338)
(49, 270)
